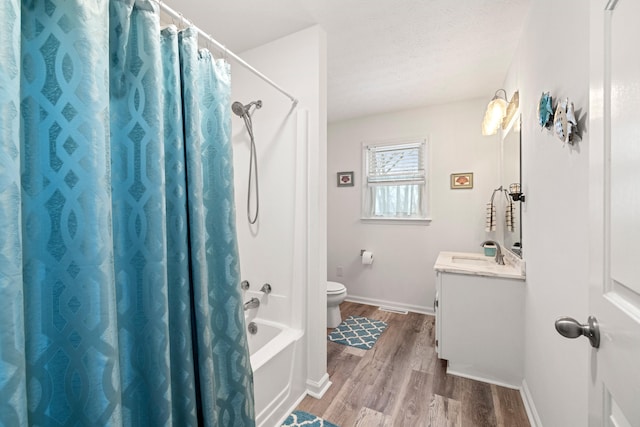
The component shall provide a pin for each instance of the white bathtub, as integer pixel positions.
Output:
(273, 350)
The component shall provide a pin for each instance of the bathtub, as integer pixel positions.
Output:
(273, 350)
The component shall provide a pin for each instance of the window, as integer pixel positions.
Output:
(395, 180)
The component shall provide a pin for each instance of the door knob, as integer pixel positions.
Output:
(570, 328)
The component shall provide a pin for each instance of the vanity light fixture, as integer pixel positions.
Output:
(499, 112)
(496, 109)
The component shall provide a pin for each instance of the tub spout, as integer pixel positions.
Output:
(252, 303)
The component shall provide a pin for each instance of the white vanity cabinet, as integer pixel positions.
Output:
(480, 320)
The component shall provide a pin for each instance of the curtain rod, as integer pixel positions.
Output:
(223, 48)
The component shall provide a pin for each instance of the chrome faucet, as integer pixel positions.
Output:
(499, 256)
(252, 303)
(266, 288)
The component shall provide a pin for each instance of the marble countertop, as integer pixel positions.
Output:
(476, 264)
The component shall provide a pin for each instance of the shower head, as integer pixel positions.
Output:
(240, 110)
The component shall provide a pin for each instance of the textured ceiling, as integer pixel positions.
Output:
(383, 55)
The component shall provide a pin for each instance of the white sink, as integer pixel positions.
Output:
(478, 264)
(470, 260)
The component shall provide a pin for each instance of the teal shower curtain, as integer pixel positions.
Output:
(119, 276)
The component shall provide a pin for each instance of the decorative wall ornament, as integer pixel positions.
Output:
(563, 120)
(545, 110)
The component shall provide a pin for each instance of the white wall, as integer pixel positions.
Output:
(291, 147)
(555, 228)
(555, 234)
(402, 272)
(554, 56)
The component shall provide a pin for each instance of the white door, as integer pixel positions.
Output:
(614, 135)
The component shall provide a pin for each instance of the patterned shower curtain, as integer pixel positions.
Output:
(119, 275)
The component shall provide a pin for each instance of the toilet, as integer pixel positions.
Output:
(336, 293)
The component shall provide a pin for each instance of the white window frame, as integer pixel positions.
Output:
(426, 193)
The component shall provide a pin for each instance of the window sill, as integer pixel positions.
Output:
(424, 221)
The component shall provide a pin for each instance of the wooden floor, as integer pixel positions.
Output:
(401, 382)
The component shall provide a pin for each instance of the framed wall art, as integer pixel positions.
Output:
(461, 180)
(345, 179)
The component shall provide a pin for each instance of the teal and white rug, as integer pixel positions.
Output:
(358, 332)
(304, 419)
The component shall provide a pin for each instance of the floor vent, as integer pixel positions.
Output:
(393, 310)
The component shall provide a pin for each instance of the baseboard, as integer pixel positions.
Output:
(393, 304)
(529, 406)
(481, 378)
(525, 394)
(317, 389)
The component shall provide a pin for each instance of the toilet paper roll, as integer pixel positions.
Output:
(367, 258)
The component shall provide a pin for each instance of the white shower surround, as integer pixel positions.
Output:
(287, 246)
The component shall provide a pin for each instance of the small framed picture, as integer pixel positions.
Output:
(345, 179)
(462, 180)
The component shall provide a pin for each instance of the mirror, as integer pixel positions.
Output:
(512, 236)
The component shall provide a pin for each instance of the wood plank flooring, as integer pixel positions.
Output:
(401, 382)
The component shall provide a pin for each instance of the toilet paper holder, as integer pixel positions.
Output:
(366, 257)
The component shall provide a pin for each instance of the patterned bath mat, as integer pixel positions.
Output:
(358, 332)
(304, 419)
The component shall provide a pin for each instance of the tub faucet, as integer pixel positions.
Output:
(266, 288)
(252, 303)
(499, 256)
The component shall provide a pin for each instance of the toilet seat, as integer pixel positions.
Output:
(335, 288)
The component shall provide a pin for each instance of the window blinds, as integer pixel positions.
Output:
(396, 164)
